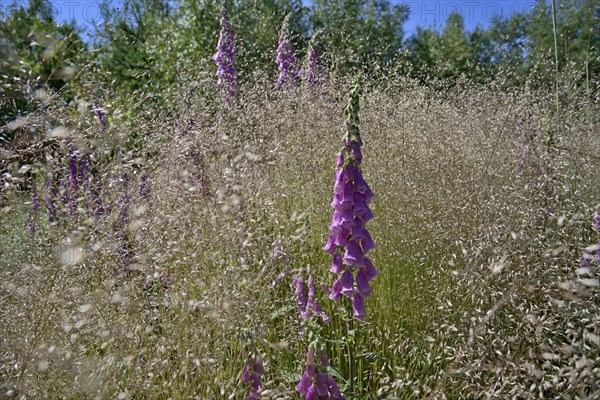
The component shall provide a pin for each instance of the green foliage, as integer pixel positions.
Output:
(450, 54)
(36, 54)
(359, 33)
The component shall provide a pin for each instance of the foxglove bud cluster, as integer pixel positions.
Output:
(225, 57)
(251, 374)
(286, 57)
(316, 383)
(349, 241)
(306, 302)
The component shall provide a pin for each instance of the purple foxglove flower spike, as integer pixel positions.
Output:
(286, 57)
(314, 69)
(225, 57)
(351, 200)
(306, 302)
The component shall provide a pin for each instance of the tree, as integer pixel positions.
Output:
(35, 53)
(359, 32)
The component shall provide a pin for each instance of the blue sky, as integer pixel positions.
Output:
(430, 13)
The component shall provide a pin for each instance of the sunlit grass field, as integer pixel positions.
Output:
(483, 211)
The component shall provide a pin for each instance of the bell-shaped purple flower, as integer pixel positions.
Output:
(330, 245)
(347, 219)
(347, 283)
(354, 254)
(336, 289)
(356, 153)
(358, 230)
(304, 384)
(360, 206)
(367, 242)
(311, 394)
(358, 306)
(347, 200)
(336, 264)
(334, 390)
(370, 271)
(340, 182)
(321, 385)
(362, 282)
(340, 160)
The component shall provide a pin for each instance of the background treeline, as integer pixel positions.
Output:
(150, 47)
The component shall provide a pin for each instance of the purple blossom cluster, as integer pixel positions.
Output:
(350, 241)
(306, 302)
(286, 57)
(251, 374)
(71, 186)
(596, 221)
(314, 71)
(316, 383)
(313, 68)
(225, 57)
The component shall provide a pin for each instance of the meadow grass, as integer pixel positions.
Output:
(480, 224)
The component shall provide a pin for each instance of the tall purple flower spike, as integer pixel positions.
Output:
(314, 71)
(225, 57)
(316, 383)
(306, 302)
(350, 241)
(286, 57)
